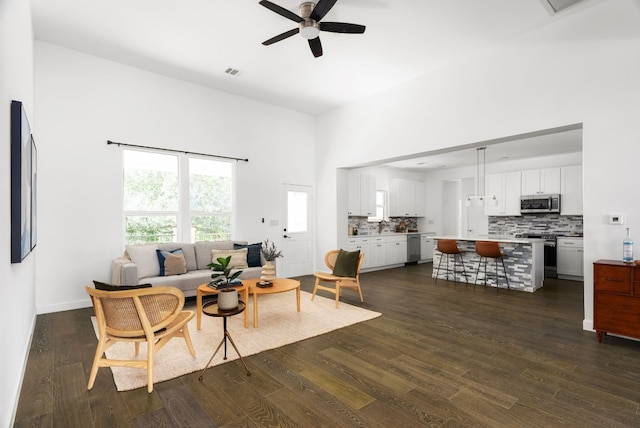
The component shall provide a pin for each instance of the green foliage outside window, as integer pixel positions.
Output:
(152, 198)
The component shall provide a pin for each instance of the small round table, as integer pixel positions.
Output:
(211, 309)
(205, 290)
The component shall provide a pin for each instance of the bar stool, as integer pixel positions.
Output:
(449, 247)
(490, 250)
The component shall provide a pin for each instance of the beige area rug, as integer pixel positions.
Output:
(279, 324)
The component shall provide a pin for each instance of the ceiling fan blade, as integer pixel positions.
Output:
(321, 9)
(282, 36)
(316, 47)
(281, 11)
(341, 27)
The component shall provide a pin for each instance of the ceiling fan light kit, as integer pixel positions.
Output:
(309, 25)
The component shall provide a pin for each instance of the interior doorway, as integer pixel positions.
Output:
(457, 218)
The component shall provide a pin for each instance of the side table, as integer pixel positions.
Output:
(205, 290)
(211, 309)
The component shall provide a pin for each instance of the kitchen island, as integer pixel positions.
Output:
(524, 262)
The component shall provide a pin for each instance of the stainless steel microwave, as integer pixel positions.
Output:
(540, 204)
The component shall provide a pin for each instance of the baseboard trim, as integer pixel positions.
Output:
(65, 306)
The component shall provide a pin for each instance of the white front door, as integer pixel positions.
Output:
(297, 231)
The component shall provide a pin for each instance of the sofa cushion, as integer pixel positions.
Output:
(203, 250)
(110, 287)
(187, 249)
(253, 254)
(238, 257)
(171, 262)
(144, 256)
(347, 263)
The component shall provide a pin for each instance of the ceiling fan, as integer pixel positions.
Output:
(309, 25)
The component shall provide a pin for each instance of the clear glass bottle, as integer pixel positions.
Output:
(627, 248)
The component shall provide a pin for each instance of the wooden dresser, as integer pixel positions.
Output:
(616, 298)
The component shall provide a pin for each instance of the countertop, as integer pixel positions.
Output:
(495, 238)
(369, 235)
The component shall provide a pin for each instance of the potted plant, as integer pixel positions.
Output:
(270, 254)
(222, 279)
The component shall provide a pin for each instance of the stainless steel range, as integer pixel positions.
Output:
(550, 252)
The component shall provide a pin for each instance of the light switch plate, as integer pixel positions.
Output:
(616, 219)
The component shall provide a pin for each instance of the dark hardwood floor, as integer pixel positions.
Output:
(441, 355)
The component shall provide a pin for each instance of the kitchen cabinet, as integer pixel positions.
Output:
(616, 299)
(407, 198)
(571, 190)
(545, 181)
(361, 191)
(570, 260)
(426, 247)
(364, 245)
(396, 249)
(506, 188)
(378, 251)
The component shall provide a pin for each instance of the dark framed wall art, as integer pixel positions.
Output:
(23, 185)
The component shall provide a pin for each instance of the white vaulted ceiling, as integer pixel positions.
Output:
(197, 40)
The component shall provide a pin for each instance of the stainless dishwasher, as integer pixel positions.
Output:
(413, 248)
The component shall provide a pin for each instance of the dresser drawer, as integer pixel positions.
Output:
(616, 279)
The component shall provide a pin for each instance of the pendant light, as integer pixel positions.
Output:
(480, 198)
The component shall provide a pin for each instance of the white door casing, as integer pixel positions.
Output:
(297, 230)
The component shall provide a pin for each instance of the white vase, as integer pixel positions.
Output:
(227, 299)
(268, 271)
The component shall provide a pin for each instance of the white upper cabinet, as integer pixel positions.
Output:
(361, 191)
(571, 192)
(407, 198)
(543, 181)
(506, 188)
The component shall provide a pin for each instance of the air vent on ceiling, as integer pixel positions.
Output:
(559, 5)
(232, 71)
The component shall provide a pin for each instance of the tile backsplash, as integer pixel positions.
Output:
(364, 227)
(503, 226)
(536, 223)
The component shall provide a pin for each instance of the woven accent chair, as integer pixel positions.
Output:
(339, 282)
(151, 315)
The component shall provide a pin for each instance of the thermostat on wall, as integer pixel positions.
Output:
(616, 219)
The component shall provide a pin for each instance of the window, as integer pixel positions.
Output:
(170, 198)
(381, 196)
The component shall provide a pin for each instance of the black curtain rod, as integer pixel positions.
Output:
(177, 151)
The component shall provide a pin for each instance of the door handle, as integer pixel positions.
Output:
(286, 236)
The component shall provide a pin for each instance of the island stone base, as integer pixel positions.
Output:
(523, 265)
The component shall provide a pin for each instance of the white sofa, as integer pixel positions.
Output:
(140, 265)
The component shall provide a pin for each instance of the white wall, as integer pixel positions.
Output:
(82, 101)
(18, 280)
(581, 68)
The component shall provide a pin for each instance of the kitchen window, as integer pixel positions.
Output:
(176, 198)
(381, 197)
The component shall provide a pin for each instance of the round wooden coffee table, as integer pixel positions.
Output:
(280, 285)
(205, 290)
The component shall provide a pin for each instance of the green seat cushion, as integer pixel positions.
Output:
(347, 263)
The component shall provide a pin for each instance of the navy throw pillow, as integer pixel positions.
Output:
(253, 253)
